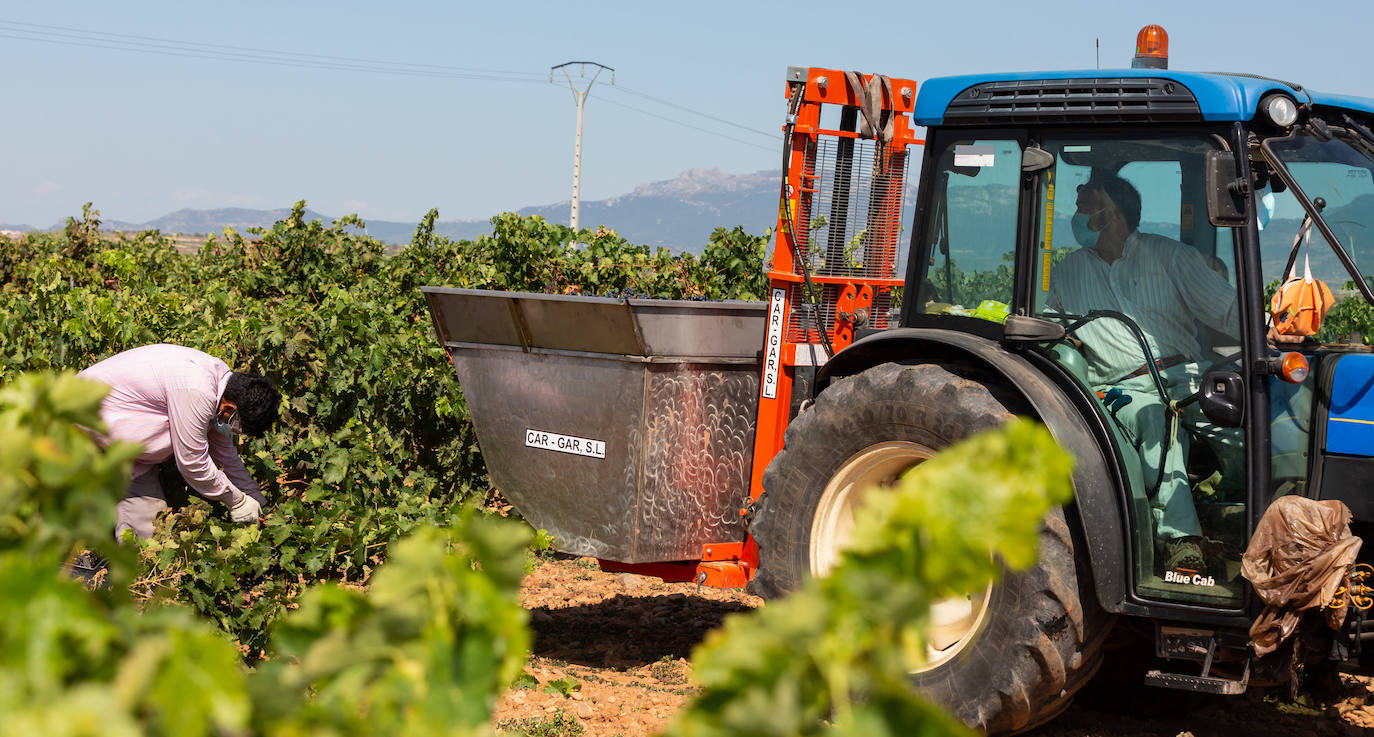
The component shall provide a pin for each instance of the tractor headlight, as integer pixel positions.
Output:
(1281, 110)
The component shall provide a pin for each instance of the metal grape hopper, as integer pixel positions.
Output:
(608, 422)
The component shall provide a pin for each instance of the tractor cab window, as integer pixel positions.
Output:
(1339, 175)
(1335, 171)
(1127, 260)
(970, 236)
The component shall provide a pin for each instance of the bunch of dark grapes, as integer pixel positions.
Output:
(627, 293)
(631, 293)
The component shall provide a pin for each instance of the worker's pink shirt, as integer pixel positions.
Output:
(165, 397)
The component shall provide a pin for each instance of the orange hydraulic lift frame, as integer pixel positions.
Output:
(732, 564)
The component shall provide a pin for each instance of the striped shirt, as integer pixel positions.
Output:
(165, 397)
(1165, 286)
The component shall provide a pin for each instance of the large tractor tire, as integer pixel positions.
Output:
(1003, 660)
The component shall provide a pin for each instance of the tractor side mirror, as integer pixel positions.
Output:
(1226, 190)
(1222, 398)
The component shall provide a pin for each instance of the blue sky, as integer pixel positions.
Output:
(143, 134)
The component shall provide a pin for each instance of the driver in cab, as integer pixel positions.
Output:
(1166, 288)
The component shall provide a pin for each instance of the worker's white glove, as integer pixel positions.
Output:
(247, 510)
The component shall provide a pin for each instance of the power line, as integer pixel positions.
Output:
(772, 135)
(69, 36)
(269, 58)
(675, 121)
(280, 62)
(98, 35)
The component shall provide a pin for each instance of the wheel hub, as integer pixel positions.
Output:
(953, 620)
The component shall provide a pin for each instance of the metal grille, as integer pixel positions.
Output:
(882, 310)
(1105, 100)
(801, 322)
(852, 208)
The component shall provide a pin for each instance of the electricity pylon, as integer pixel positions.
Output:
(581, 96)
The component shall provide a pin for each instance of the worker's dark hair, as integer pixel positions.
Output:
(257, 400)
(1122, 192)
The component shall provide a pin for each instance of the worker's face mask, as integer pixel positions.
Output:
(230, 427)
(1086, 236)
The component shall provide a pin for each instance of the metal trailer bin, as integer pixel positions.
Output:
(624, 427)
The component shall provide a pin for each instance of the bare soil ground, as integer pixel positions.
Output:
(611, 659)
(623, 639)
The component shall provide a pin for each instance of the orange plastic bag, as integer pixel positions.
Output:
(1301, 302)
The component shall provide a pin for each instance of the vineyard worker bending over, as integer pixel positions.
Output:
(181, 403)
(1166, 288)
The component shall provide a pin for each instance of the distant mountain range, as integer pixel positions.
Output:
(678, 214)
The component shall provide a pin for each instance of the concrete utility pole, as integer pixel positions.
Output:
(581, 96)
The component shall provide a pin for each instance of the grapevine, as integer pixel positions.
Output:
(375, 439)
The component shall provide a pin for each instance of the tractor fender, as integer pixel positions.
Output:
(1100, 511)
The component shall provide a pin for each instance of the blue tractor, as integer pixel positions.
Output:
(1126, 226)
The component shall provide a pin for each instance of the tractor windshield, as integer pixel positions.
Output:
(1332, 171)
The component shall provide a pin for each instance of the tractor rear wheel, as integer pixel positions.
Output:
(1004, 659)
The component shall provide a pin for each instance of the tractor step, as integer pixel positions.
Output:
(1186, 643)
(1200, 684)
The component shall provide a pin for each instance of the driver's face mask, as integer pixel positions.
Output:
(1085, 235)
(231, 427)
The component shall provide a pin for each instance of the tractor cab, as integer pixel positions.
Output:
(1138, 221)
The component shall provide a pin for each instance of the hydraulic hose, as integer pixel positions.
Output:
(794, 105)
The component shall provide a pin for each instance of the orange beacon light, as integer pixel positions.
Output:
(1151, 48)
